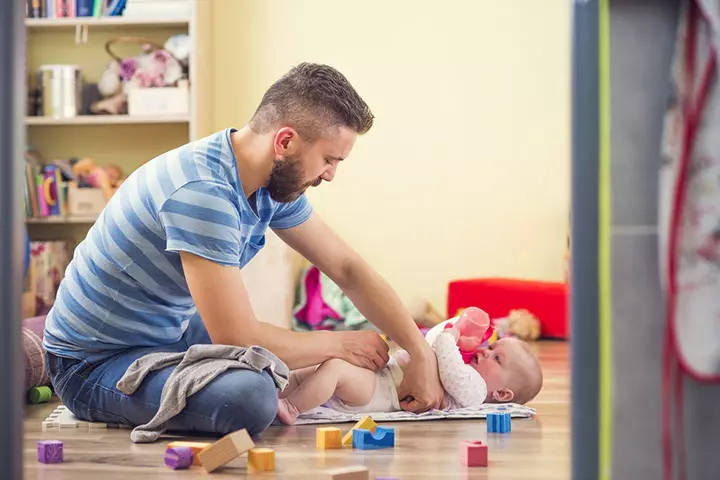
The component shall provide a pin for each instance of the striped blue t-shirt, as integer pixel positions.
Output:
(125, 285)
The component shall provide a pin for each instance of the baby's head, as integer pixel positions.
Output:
(510, 370)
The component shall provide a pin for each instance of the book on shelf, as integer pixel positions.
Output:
(48, 261)
(45, 191)
(54, 9)
(53, 193)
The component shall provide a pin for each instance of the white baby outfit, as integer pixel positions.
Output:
(464, 386)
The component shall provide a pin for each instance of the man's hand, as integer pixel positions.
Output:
(365, 349)
(420, 389)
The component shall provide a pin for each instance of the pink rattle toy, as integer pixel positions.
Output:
(474, 325)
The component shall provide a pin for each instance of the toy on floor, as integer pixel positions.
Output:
(178, 458)
(424, 314)
(195, 447)
(473, 453)
(50, 451)
(349, 473)
(365, 423)
(328, 438)
(225, 450)
(62, 418)
(38, 395)
(519, 323)
(366, 440)
(261, 460)
(498, 422)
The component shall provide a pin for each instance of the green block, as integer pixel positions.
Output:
(39, 395)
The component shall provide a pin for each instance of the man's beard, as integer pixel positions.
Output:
(286, 180)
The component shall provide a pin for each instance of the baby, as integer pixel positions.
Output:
(506, 371)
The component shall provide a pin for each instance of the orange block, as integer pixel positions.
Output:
(261, 460)
(196, 448)
(328, 438)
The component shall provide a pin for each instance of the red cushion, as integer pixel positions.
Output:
(497, 296)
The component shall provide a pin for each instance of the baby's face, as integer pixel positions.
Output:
(498, 363)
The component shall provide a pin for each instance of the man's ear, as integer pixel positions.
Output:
(503, 395)
(285, 141)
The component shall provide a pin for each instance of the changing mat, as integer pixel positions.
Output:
(327, 415)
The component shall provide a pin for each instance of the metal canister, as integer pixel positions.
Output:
(60, 88)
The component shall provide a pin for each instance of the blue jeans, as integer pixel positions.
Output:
(236, 399)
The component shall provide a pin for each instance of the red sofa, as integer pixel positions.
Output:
(548, 301)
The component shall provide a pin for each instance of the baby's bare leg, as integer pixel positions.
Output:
(353, 385)
(296, 378)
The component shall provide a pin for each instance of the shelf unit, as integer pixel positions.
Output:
(139, 138)
(42, 23)
(107, 120)
(76, 219)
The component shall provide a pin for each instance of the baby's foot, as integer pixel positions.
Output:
(287, 413)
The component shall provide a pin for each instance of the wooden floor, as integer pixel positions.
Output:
(537, 448)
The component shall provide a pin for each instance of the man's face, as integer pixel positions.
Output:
(305, 165)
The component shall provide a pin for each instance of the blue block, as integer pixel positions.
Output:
(366, 440)
(498, 422)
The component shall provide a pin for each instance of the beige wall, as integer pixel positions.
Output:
(470, 150)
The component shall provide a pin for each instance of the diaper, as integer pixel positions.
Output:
(385, 398)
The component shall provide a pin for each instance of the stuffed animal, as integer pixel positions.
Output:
(519, 323)
(424, 314)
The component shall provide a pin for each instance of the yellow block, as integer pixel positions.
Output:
(366, 423)
(261, 460)
(196, 448)
(327, 438)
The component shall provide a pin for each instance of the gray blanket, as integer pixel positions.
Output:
(196, 367)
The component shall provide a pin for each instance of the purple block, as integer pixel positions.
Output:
(50, 451)
(178, 457)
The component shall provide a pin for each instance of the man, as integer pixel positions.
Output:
(161, 268)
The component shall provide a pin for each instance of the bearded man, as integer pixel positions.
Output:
(161, 269)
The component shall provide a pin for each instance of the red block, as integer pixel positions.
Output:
(474, 453)
(548, 301)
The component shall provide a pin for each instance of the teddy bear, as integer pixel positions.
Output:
(424, 314)
(519, 323)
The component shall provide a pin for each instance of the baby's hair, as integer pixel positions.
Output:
(530, 380)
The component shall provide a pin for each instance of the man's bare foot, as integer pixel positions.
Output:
(287, 413)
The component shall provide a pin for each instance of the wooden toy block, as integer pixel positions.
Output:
(366, 423)
(50, 451)
(498, 422)
(261, 460)
(349, 473)
(328, 438)
(195, 447)
(63, 418)
(178, 458)
(367, 440)
(473, 453)
(225, 450)
(38, 395)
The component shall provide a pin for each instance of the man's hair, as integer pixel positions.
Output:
(311, 98)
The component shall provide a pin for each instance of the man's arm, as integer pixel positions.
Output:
(223, 304)
(374, 298)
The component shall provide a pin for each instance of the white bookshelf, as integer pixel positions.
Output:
(104, 22)
(140, 136)
(107, 120)
(77, 219)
